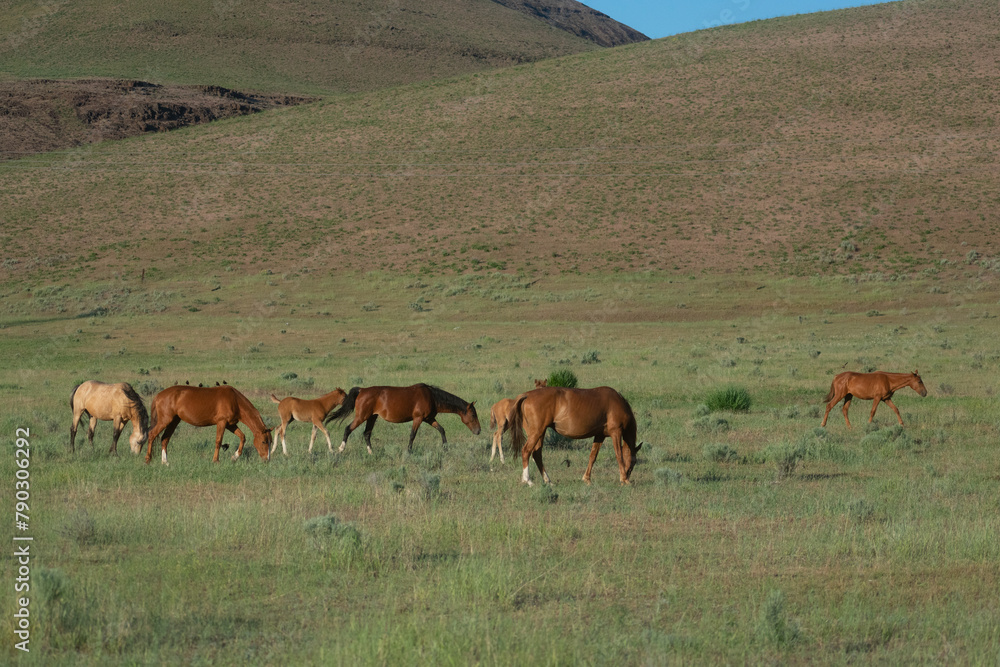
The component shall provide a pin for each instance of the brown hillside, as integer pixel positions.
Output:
(45, 115)
(578, 19)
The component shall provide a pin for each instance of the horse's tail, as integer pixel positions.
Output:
(72, 396)
(275, 399)
(152, 419)
(139, 409)
(493, 420)
(346, 408)
(829, 394)
(515, 423)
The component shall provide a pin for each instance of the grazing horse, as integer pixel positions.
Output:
(574, 413)
(224, 407)
(419, 403)
(878, 386)
(498, 420)
(118, 403)
(315, 410)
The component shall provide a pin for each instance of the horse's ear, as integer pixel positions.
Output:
(915, 372)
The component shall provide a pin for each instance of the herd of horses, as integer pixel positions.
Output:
(599, 413)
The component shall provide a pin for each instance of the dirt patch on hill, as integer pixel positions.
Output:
(42, 115)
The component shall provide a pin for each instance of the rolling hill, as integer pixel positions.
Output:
(292, 46)
(850, 142)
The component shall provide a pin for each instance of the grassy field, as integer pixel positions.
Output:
(879, 544)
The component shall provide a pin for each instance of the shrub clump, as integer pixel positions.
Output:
(668, 477)
(732, 399)
(710, 423)
(786, 457)
(775, 626)
(563, 378)
(720, 453)
(328, 533)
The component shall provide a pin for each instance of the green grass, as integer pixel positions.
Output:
(864, 550)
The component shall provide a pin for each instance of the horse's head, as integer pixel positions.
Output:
(137, 439)
(630, 454)
(471, 419)
(262, 442)
(918, 384)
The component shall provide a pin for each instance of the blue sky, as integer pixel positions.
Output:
(657, 18)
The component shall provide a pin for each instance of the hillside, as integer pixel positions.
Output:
(849, 142)
(293, 46)
(578, 19)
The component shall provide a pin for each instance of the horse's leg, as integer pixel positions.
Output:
(893, 406)
(497, 444)
(417, 421)
(90, 431)
(347, 431)
(874, 408)
(279, 433)
(369, 425)
(830, 406)
(220, 430)
(72, 430)
(537, 455)
(444, 440)
(312, 438)
(593, 457)
(526, 453)
(239, 450)
(119, 426)
(167, 432)
(847, 406)
(319, 425)
(616, 441)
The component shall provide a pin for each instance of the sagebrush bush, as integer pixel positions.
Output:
(710, 423)
(563, 378)
(732, 399)
(668, 477)
(719, 452)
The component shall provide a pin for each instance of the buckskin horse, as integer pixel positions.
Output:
(315, 410)
(223, 406)
(574, 413)
(117, 403)
(419, 403)
(498, 420)
(876, 387)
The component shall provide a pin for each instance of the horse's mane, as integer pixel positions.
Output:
(136, 402)
(450, 401)
(247, 410)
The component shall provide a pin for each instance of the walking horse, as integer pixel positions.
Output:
(419, 403)
(877, 386)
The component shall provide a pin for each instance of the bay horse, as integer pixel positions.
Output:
(574, 413)
(223, 406)
(118, 403)
(419, 403)
(498, 420)
(877, 386)
(315, 410)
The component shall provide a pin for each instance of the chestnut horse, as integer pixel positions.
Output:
(498, 420)
(221, 406)
(419, 403)
(117, 403)
(877, 386)
(315, 410)
(574, 413)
